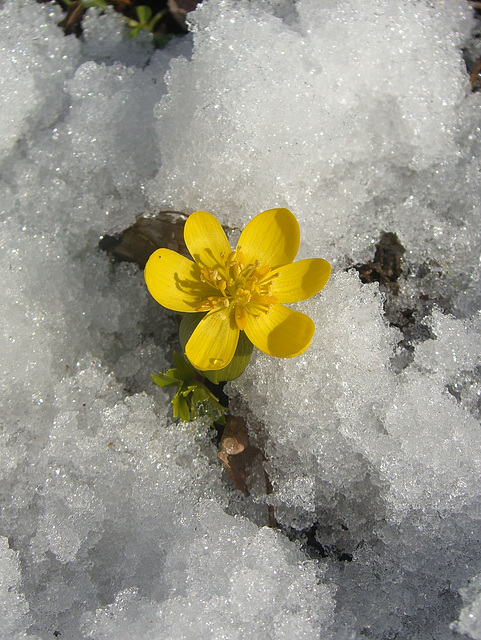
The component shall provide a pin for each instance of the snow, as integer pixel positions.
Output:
(116, 522)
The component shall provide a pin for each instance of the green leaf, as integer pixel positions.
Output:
(101, 4)
(135, 30)
(214, 401)
(185, 391)
(200, 394)
(161, 40)
(144, 14)
(238, 363)
(222, 419)
(183, 412)
(158, 16)
(175, 406)
(164, 379)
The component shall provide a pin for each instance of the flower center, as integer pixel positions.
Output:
(244, 289)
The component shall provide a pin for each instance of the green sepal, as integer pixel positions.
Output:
(187, 325)
(238, 363)
(183, 366)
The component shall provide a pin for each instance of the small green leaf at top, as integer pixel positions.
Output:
(144, 20)
(144, 13)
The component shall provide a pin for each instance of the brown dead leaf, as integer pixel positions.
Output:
(138, 242)
(236, 453)
(73, 18)
(387, 264)
(180, 8)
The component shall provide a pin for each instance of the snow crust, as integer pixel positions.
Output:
(117, 523)
(469, 621)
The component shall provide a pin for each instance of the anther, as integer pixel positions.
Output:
(231, 259)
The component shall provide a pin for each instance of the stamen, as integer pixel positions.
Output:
(240, 256)
(247, 290)
(268, 300)
(272, 276)
(263, 271)
(211, 303)
(231, 259)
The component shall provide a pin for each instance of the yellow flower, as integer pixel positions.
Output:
(241, 290)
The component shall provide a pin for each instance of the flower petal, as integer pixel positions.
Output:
(239, 361)
(301, 280)
(205, 239)
(174, 281)
(281, 332)
(213, 342)
(272, 237)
